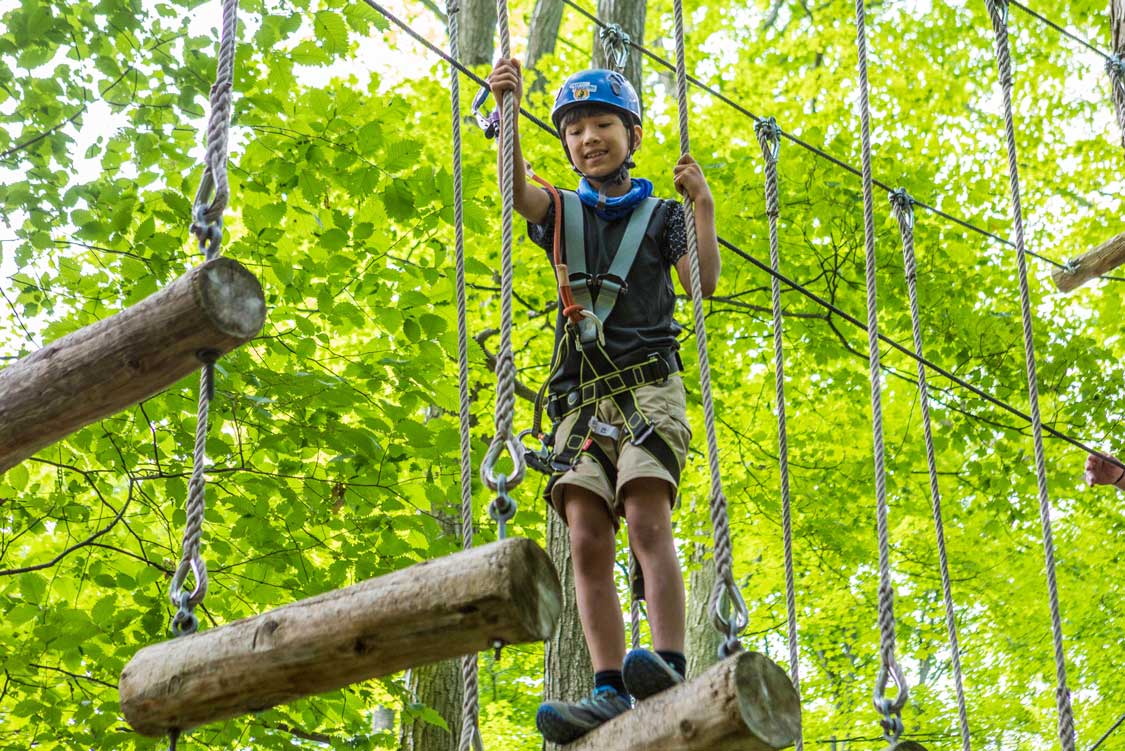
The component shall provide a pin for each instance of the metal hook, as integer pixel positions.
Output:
(503, 508)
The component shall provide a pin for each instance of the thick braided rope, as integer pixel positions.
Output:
(998, 10)
(724, 563)
(208, 228)
(890, 668)
(470, 706)
(903, 206)
(769, 138)
(218, 126)
(1115, 68)
(505, 360)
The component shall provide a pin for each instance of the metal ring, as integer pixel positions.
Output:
(515, 450)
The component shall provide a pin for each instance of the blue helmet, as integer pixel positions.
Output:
(597, 86)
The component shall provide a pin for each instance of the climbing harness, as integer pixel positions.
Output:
(998, 11)
(889, 670)
(903, 207)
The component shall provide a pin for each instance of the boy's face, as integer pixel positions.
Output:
(599, 143)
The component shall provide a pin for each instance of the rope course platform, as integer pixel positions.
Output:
(105, 367)
(502, 593)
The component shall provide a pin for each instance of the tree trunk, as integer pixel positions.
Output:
(438, 687)
(568, 674)
(544, 32)
(1117, 26)
(477, 25)
(703, 640)
(630, 16)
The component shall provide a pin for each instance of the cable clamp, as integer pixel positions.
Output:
(615, 43)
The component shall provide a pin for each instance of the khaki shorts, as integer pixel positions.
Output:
(663, 404)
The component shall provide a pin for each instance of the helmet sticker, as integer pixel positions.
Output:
(582, 90)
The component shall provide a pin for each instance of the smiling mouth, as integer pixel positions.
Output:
(594, 156)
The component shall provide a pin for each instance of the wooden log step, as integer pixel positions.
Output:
(119, 361)
(744, 703)
(1099, 261)
(504, 592)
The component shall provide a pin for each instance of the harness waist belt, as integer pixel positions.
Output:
(658, 367)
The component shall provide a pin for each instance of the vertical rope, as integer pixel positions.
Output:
(1115, 68)
(890, 669)
(470, 706)
(725, 588)
(903, 206)
(769, 138)
(998, 10)
(504, 438)
(207, 225)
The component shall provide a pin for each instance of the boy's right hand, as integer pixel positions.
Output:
(506, 76)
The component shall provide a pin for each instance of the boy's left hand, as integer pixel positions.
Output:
(688, 179)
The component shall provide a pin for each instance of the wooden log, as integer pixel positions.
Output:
(744, 703)
(504, 592)
(118, 361)
(1101, 260)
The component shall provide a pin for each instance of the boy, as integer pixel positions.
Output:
(617, 404)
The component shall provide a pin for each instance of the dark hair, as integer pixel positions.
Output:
(593, 109)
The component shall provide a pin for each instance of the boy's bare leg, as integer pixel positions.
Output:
(592, 546)
(648, 513)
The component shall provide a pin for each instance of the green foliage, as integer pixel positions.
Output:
(333, 444)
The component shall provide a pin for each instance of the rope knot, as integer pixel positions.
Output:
(769, 137)
(1115, 68)
(452, 7)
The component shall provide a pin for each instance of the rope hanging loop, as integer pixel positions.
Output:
(1115, 69)
(903, 204)
(499, 445)
(769, 134)
(729, 614)
(615, 43)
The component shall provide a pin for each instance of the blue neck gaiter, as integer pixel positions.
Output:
(614, 207)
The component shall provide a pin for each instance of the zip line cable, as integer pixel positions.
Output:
(820, 152)
(791, 283)
(1062, 30)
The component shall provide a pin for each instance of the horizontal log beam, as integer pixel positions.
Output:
(105, 367)
(504, 592)
(1101, 260)
(744, 703)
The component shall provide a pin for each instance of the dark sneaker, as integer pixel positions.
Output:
(566, 722)
(647, 674)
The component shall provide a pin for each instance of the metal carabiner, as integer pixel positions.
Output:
(488, 467)
(489, 122)
(615, 43)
